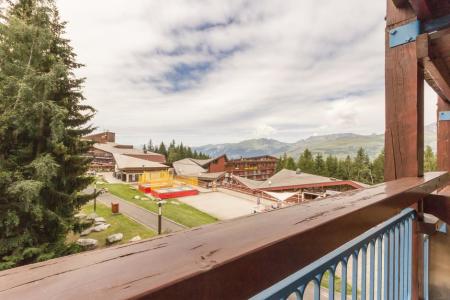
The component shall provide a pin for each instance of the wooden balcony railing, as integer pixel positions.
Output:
(233, 259)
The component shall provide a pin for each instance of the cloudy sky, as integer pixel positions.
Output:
(213, 71)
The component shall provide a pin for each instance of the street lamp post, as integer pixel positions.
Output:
(95, 196)
(160, 204)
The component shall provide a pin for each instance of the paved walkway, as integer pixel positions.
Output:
(140, 214)
(108, 176)
(220, 205)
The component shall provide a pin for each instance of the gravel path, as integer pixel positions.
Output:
(140, 214)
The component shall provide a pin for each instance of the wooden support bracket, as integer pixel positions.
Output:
(436, 72)
(438, 206)
(430, 225)
(400, 3)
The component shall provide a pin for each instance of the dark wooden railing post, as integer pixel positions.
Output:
(404, 141)
(440, 207)
(404, 102)
(443, 137)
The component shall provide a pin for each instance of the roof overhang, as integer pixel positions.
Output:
(313, 185)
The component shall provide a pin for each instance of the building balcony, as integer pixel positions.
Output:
(267, 255)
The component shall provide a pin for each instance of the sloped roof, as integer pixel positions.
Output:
(281, 196)
(211, 176)
(116, 148)
(128, 162)
(252, 184)
(291, 178)
(202, 162)
(206, 162)
(187, 167)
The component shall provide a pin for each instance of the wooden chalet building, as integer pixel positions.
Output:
(307, 186)
(207, 171)
(255, 168)
(125, 161)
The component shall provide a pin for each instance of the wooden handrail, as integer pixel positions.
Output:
(228, 260)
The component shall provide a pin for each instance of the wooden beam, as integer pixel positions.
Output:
(404, 104)
(404, 140)
(400, 3)
(443, 137)
(234, 259)
(430, 225)
(429, 9)
(435, 69)
(422, 9)
(438, 206)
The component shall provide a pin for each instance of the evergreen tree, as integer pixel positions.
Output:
(306, 162)
(189, 152)
(144, 148)
(281, 162)
(331, 166)
(42, 121)
(150, 146)
(361, 169)
(345, 168)
(378, 168)
(319, 165)
(290, 164)
(430, 161)
(176, 152)
(162, 149)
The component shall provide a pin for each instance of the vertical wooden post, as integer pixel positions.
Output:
(404, 140)
(443, 137)
(440, 243)
(404, 103)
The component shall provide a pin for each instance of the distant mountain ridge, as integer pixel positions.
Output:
(339, 144)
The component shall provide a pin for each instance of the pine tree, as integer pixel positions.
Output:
(150, 146)
(345, 168)
(430, 161)
(331, 166)
(306, 162)
(144, 148)
(162, 149)
(361, 170)
(42, 121)
(319, 165)
(290, 164)
(281, 162)
(378, 168)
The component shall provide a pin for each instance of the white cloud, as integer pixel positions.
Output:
(209, 71)
(264, 131)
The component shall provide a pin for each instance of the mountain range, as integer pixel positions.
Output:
(340, 145)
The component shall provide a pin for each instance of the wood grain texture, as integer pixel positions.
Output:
(396, 16)
(443, 137)
(438, 206)
(439, 247)
(229, 260)
(404, 113)
(404, 106)
(432, 60)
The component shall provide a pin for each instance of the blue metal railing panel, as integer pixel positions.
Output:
(391, 262)
(344, 280)
(386, 267)
(372, 270)
(355, 276)
(363, 272)
(426, 257)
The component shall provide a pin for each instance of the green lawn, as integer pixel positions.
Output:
(119, 223)
(337, 283)
(173, 209)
